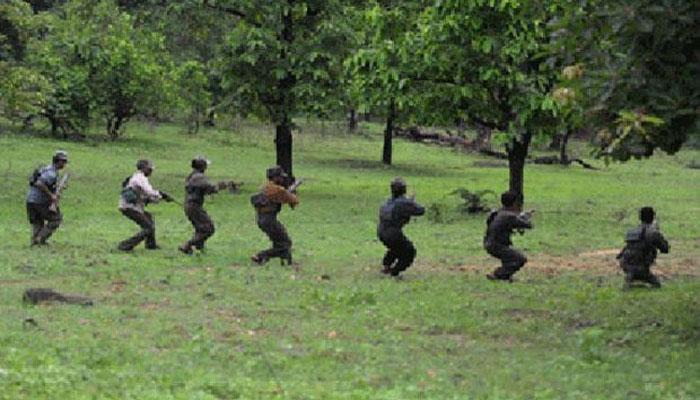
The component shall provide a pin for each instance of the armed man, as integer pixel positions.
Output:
(500, 225)
(197, 186)
(268, 203)
(136, 193)
(393, 215)
(639, 253)
(43, 197)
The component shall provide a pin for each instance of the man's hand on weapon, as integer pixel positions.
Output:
(167, 197)
(294, 186)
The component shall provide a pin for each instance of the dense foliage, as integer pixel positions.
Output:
(520, 69)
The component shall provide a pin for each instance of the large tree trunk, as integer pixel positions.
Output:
(517, 153)
(387, 150)
(283, 146)
(283, 129)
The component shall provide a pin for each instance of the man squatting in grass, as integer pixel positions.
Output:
(268, 203)
(639, 253)
(499, 228)
(136, 193)
(197, 185)
(393, 215)
(44, 218)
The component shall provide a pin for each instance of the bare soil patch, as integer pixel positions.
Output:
(597, 262)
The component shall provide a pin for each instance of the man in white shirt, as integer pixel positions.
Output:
(136, 193)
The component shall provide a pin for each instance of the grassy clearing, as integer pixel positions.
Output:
(214, 327)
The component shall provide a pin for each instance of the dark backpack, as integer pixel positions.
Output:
(128, 194)
(35, 175)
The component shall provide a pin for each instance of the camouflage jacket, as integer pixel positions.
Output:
(197, 186)
(500, 226)
(276, 196)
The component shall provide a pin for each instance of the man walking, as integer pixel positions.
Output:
(136, 193)
(268, 203)
(42, 199)
(197, 185)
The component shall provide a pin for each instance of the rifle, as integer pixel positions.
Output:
(526, 215)
(53, 207)
(294, 186)
(168, 198)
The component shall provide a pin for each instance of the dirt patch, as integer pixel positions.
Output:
(600, 262)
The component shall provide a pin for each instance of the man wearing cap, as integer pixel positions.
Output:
(268, 203)
(639, 253)
(197, 185)
(393, 215)
(42, 194)
(136, 193)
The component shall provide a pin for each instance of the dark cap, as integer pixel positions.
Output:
(60, 155)
(275, 171)
(143, 164)
(398, 186)
(200, 162)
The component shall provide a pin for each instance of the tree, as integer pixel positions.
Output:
(641, 65)
(23, 90)
(280, 58)
(486, 62)
(192, 85)
(381, 68)
(99, 63)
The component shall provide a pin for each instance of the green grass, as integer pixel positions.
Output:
(212, 326)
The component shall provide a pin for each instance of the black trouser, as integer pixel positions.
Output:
(511, 260)
(148, 230)
(639, 273)
(281, 243)
(44, 221)
(400, 251)
(203, 225)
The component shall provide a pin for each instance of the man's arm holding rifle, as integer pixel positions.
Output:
(55, 197)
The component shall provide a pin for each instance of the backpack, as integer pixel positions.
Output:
(35, 175)
(259, 200)
(128, 193)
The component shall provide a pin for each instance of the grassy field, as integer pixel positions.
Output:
(212, 326)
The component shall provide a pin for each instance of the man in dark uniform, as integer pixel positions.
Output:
(499, 228)
(197, 185)
(393, 215)
(44, 217)
(639, 253)
(268, 203)
(136, 193)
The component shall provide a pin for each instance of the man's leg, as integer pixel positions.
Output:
(281, 243)
(511, 261)
(150, 231)
(53, 221)
(146, 229)
(36, 221)
(407, 253)
(203, 229)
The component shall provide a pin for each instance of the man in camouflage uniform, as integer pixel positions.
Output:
(268, 203)
(136, 193)
(197, 185)
(497, 241)
(639, 253)
(44, 218)
(393, 215)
